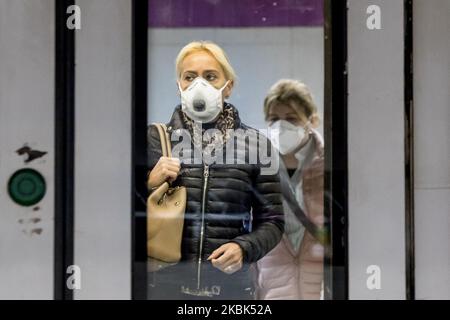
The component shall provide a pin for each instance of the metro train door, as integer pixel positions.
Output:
(65, 159)
(431, 54)
(300, 40)
(27, 156)
(74, 108)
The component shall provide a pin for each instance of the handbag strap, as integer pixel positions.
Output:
(289, 196)
(166, 147)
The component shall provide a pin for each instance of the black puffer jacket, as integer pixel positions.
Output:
(240, 205)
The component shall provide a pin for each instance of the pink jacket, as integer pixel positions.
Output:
(289, 275)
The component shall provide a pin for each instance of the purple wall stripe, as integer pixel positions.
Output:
(235, 13)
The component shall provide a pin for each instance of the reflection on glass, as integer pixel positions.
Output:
(253, 217)
(290, 110)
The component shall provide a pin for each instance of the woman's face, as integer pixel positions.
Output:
(206, 66)
(285, 112)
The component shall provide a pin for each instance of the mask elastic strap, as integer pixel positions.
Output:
(179, 86)
(226, 83)
(307, 125)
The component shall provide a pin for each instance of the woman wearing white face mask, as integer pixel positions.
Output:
(291, 115)
(233, 214)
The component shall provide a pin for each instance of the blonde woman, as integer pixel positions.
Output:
(294, 268)
(234, 214)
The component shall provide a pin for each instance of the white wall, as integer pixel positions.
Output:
(376, 150)
(432, 148)
(260, 56)
(103, 150)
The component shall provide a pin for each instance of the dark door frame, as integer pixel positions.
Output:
(336, 151)
(409, 152)
(64, 149)
(139, 149)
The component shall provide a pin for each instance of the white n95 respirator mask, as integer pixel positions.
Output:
(201, 101)
(285, 136)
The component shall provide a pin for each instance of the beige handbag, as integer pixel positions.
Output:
(165, 215)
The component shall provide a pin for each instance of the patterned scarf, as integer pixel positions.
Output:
(214, 139)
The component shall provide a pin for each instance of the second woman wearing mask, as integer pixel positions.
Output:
(294, 268)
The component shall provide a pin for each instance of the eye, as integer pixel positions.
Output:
(272, 120)
(292, 120)
(211, 77)
(189, 77)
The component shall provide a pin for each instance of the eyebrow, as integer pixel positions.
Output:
(195, 72)
(287, 114)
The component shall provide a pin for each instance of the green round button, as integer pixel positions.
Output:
(26, 187)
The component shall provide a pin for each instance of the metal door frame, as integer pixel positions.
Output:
(336, 151)
(64, 149)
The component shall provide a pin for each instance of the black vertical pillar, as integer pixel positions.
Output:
(336, 155)
(64, 148)
(139, 149)
(409, 152)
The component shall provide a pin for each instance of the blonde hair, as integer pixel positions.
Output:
(288, 91)
(206, 46)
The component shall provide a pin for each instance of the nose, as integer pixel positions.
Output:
(199, 105)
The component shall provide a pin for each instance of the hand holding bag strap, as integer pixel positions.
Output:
(165, 217)
(163, 142)
(166, 146)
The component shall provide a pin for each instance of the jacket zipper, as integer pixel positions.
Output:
(202, 230)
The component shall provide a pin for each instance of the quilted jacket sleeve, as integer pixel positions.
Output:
(268, 216)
